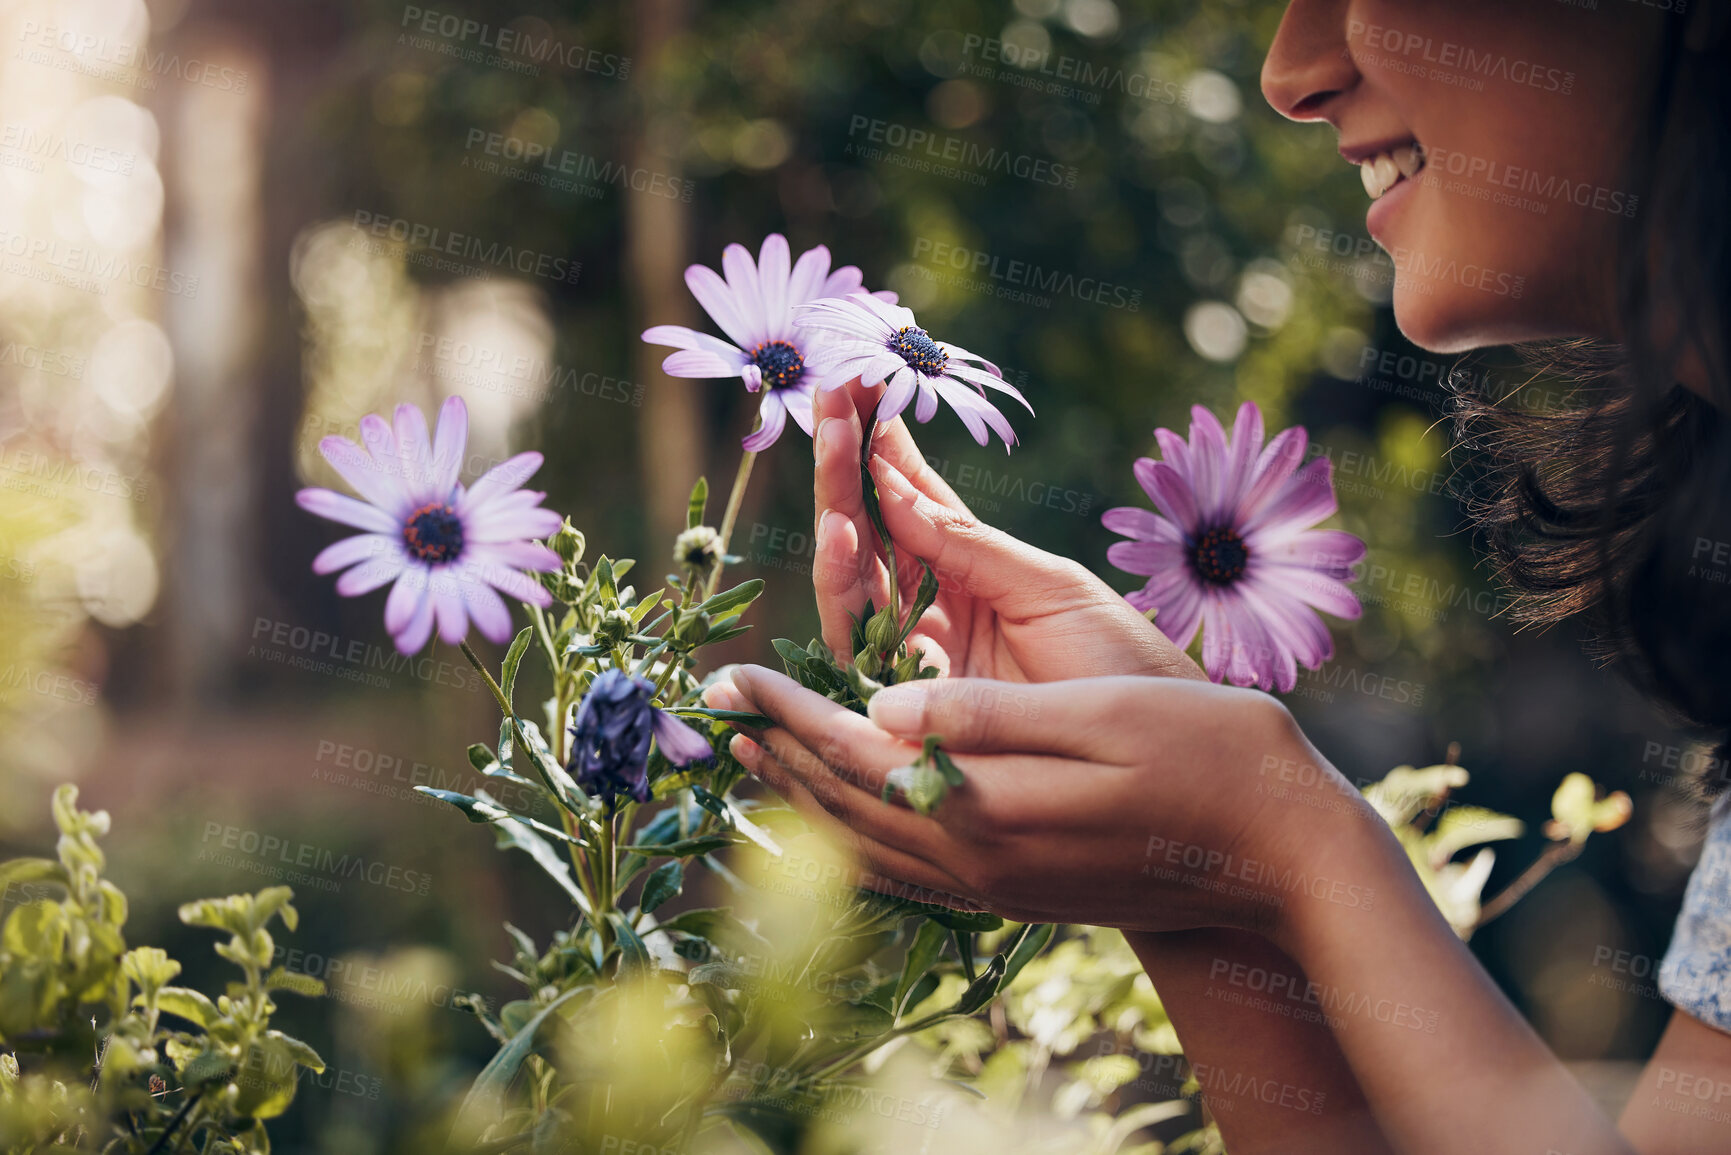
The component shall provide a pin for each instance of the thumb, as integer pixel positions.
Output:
(982, 716)
(968, 555)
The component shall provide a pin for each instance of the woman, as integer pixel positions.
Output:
(1097, 757)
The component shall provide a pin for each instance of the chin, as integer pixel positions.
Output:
(1452, 319)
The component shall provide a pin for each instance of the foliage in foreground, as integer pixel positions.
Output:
(101, 1052)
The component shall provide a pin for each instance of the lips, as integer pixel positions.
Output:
(1382, 170)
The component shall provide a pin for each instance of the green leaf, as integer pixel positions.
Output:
(667, 880)
(981, 990)
(481, 810)
(791, 653)
(189, 1004)
(514, 659)
(718, 924)
(206, 1067)
(297, 1050)
(633, 954)
(606, 581)
(699, 499)
(516, 836)
(733, 717)
(482, 758)
(22, 871)
(685, 847)
(725, 810)
(294, 982)
(923, 952)
(487, 1095)
(1029, 942)
(737, 598)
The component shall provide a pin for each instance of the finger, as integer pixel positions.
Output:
(848, 743)
(887, 870)
(979, 560)
(1093, 719)
(845, 576)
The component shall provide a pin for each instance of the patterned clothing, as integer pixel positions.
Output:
(1696, 974)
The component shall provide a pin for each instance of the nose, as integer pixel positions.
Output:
(1308, 65)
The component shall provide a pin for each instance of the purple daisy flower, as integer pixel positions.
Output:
(881, 343)
(754, 306)
(1235, 552)
(448, 549)
(610, 738)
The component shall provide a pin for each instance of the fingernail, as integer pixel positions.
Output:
(898, 709)
(891, 482)
(722, 697)
(745, 751)
(833, 436)
(827, 525)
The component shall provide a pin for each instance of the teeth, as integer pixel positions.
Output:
(1387, 169)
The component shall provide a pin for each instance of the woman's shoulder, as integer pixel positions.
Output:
(1696, 974)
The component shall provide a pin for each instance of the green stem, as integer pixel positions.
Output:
(498, 694)
(734, 499)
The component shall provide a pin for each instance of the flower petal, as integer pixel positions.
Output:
(419, 627)
(513, 584)
(899, 390)
(453, 618)
(488, 611)
(1307, 499)
(880, 366)
(354, 550)
(405, 599)
(371, 574)
(529, 555)
(721, 303)
(1315, 589)
(678, 742)
(703, 363)
(1175, 451)
(361, 470)
(925, 404)
(798, 402)
(449, 443)
(1329, 551)
(1141, 524)
(809, 276)
(1272, 469)
(334, 506)
(415, 450)
(1242, 455)
(773, 271)
(496, 525)
(747, 289)
(772, 416)
(1167, 490)
(499, 480)
(1146, 557)
(1208, 465)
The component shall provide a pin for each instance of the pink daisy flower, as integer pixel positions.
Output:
(754, 306)
(881, 343)
(1233, 550)
(448, 549)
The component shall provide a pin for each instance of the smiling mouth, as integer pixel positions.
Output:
(1384, 170)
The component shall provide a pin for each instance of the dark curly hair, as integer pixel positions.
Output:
(1620, 505)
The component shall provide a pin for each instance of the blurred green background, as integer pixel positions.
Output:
(162, 638)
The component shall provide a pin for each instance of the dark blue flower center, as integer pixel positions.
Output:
(1219, 556)
(434, 533)
(915, 346)
(781, 363)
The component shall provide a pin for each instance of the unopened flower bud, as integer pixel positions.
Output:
(882, 632)
(568, 543)
(692, 630)
(867, 663)
(698, 548)
(614, 626)
(921, 784)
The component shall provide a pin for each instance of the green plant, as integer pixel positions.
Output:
(101, 1052)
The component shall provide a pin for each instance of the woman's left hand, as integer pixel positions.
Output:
(1144, 803)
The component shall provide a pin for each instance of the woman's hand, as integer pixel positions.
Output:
(1004, 610)
(1145, 803)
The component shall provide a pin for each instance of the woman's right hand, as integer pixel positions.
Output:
(1005, 610)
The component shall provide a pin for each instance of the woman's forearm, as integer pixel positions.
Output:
(1274, 1084)
(1442, 1057)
